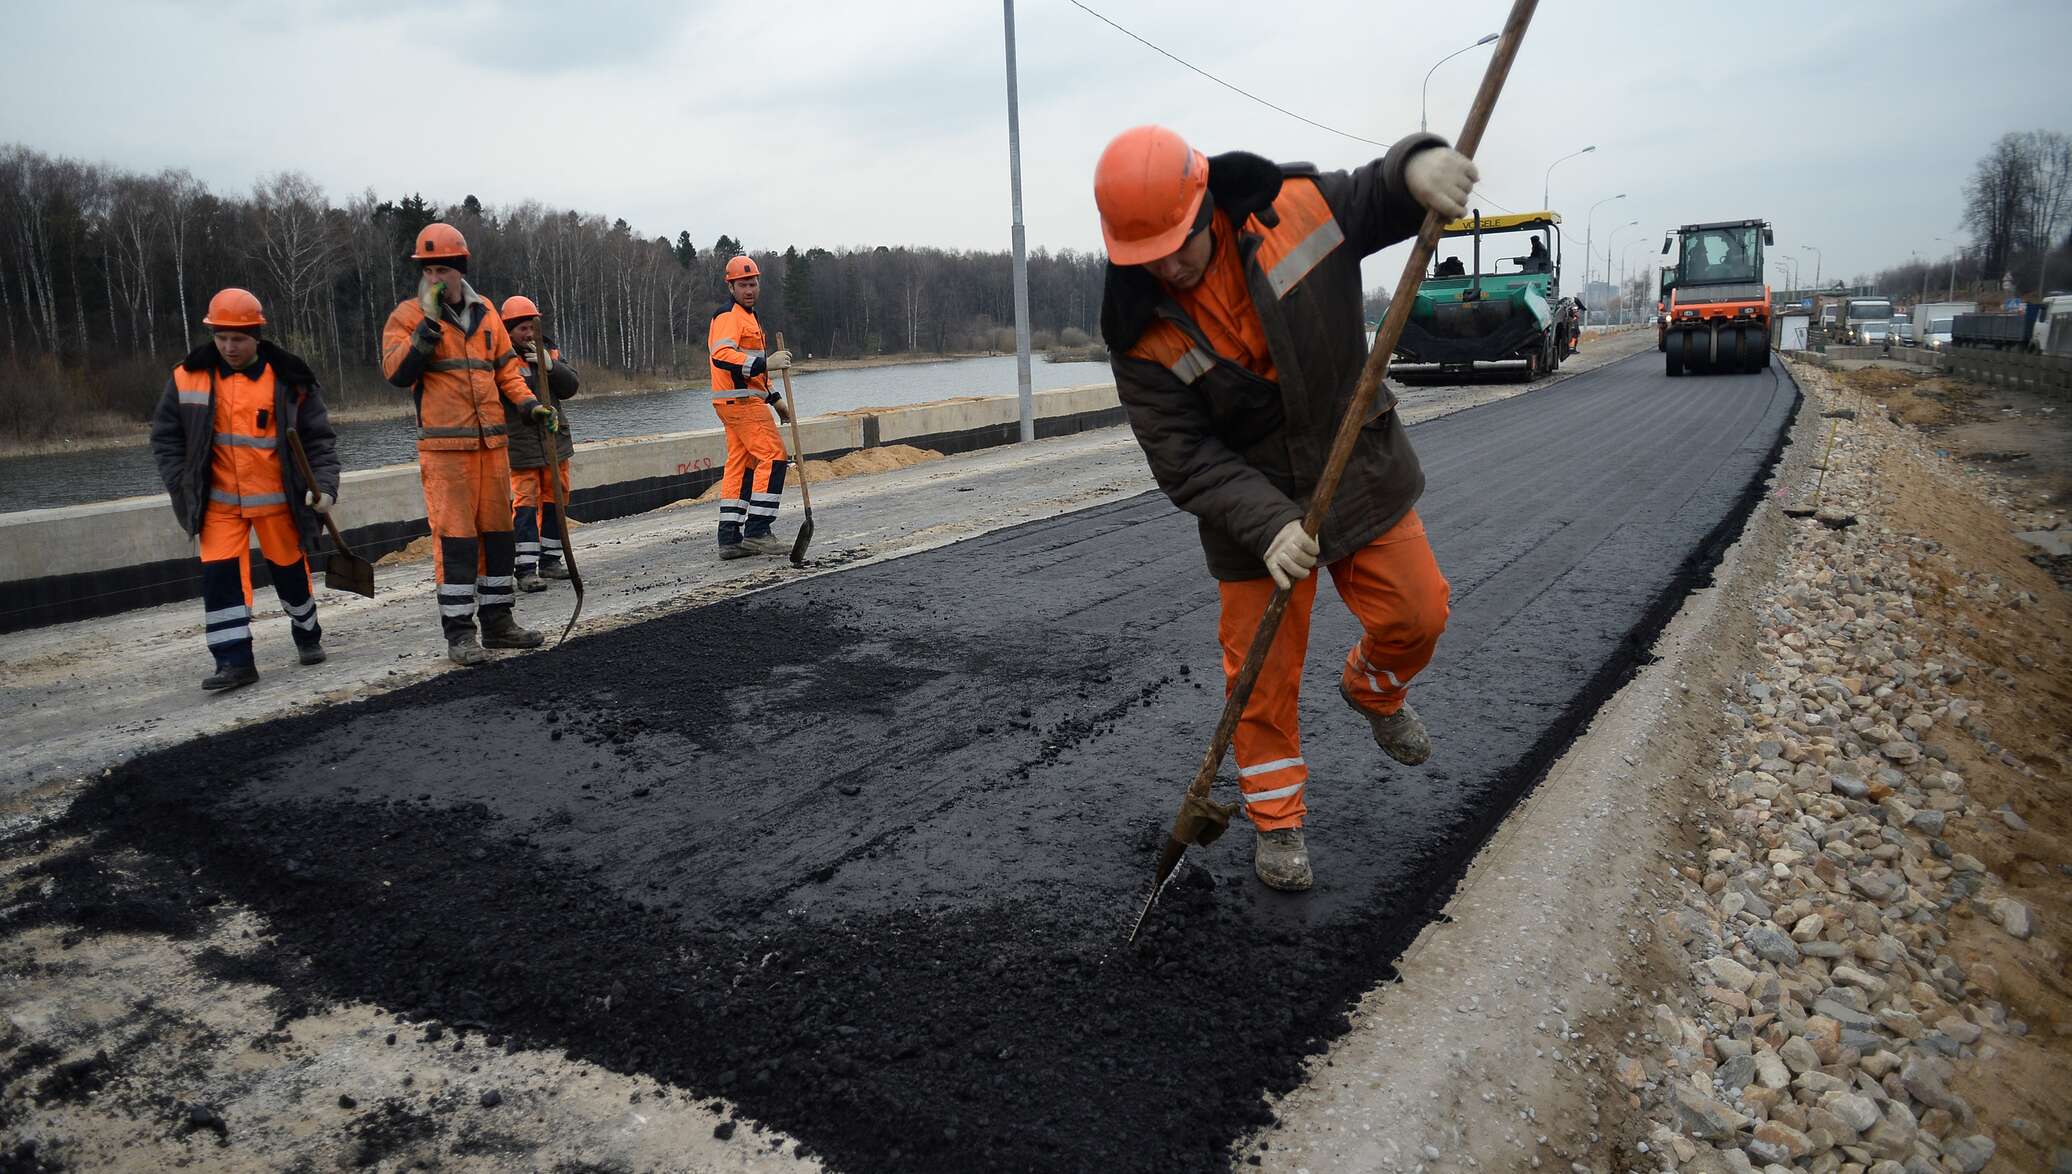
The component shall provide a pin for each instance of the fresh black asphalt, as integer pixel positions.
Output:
(856, 853)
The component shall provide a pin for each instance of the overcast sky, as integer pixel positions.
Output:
(1852, 126)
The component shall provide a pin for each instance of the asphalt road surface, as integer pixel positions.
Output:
(856, 853)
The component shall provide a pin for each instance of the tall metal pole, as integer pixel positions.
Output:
(1953, 268)
(1589, 223)
(1816, 264)
(1024, 397)
(1547, 185)
(1426, 88)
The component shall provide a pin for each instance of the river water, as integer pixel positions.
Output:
(58, 479)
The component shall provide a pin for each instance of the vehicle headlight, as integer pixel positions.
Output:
(1687, 314)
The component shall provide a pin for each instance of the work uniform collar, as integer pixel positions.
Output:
(253, 370)
(465, 314)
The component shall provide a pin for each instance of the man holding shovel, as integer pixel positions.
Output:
(449, 348)
(752, 483)
(536, 515)
(1233, 312)
(217, 437)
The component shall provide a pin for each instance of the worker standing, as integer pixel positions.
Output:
(752, 483)
(536, 516)
(1233, 313)
(217, 437)
(449, 347)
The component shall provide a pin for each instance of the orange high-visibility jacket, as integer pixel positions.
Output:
(736, 339)
(459, 375)
(244, 464)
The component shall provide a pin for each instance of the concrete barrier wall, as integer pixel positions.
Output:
(75, 562)
(2048, 374)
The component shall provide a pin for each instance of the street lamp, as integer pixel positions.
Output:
(1816, 264)
(1624, 256)
(1490, 39)
(1588, 224)
(1611, 241)
(1953, 268)
(1549, 178)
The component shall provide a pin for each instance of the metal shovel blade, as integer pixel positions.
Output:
(345, 571)
(799, 544)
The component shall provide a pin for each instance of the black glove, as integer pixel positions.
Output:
(772, 398)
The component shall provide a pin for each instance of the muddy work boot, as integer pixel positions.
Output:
(499, 630)
(530, 581)
(311, 653)
(555, 570)
(736, 550)
(231, 676)
(766, 544)
(466, 650)
(1282, 860)
(1401, 735)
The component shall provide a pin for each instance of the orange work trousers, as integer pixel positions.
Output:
(226, 569)
(467, 498)
(752, 484)
(1393, 586)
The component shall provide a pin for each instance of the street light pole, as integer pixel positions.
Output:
(1611, 241)
(1490, 39)
(1547, 181)
(1953, 268)
(1589, 223)
(1816, 264)
(1623, 258)
(1024, 397)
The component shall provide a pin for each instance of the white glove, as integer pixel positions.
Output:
(777, 360)
(1441, 179)
(318, 500)
(1291, 555)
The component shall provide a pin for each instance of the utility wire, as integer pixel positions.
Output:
(1219, 81)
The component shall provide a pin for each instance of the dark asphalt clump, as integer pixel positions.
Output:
(897, 820)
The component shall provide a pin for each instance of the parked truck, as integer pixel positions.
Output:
(1865, 321)
(1999, 332)
(1932, 322)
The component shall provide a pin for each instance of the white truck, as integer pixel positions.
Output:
(2054, 327)
(1932, 322)
(1865, 321)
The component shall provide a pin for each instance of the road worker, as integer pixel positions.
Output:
(752, 483)
(218, 436)
(449, 347)
(1233, 315)
(535, 513)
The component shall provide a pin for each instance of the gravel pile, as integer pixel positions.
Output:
(1825, 1006)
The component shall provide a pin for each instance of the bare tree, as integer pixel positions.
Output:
(294, 244)
(178, 196)
(2050, 193)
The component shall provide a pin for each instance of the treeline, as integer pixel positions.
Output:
(105, 273)
(2018, 214)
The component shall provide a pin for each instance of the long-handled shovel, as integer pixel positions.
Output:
(343, 570)
(550, 448)
(798, 464)
(1202, 819)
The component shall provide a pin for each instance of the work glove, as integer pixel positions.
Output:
(1441, 179)
(1291, 555)
(777, 360)
(545, 418)
(428, 295)
(318, 500)
(534, 357)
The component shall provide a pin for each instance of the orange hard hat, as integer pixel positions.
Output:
(440, 242)
(1149, 186)
(517, 308)
(234, 309)
(740, 267)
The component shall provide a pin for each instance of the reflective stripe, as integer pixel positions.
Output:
(551, 543)
(1367, 667)
(482, 581)
(1267, 768)
(300, 609)
(1192, 365)
(306, 623)
(1304, 257)
(1251, 797)
(528, 548)
(234, 440)
(219, 495)
(237, 635)
(198, 398)
(468, 364)
(455, 610)
(720, 344)
(506, 357)
(458, 590)
(226, 614)
(752, 356)
(460, 431)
